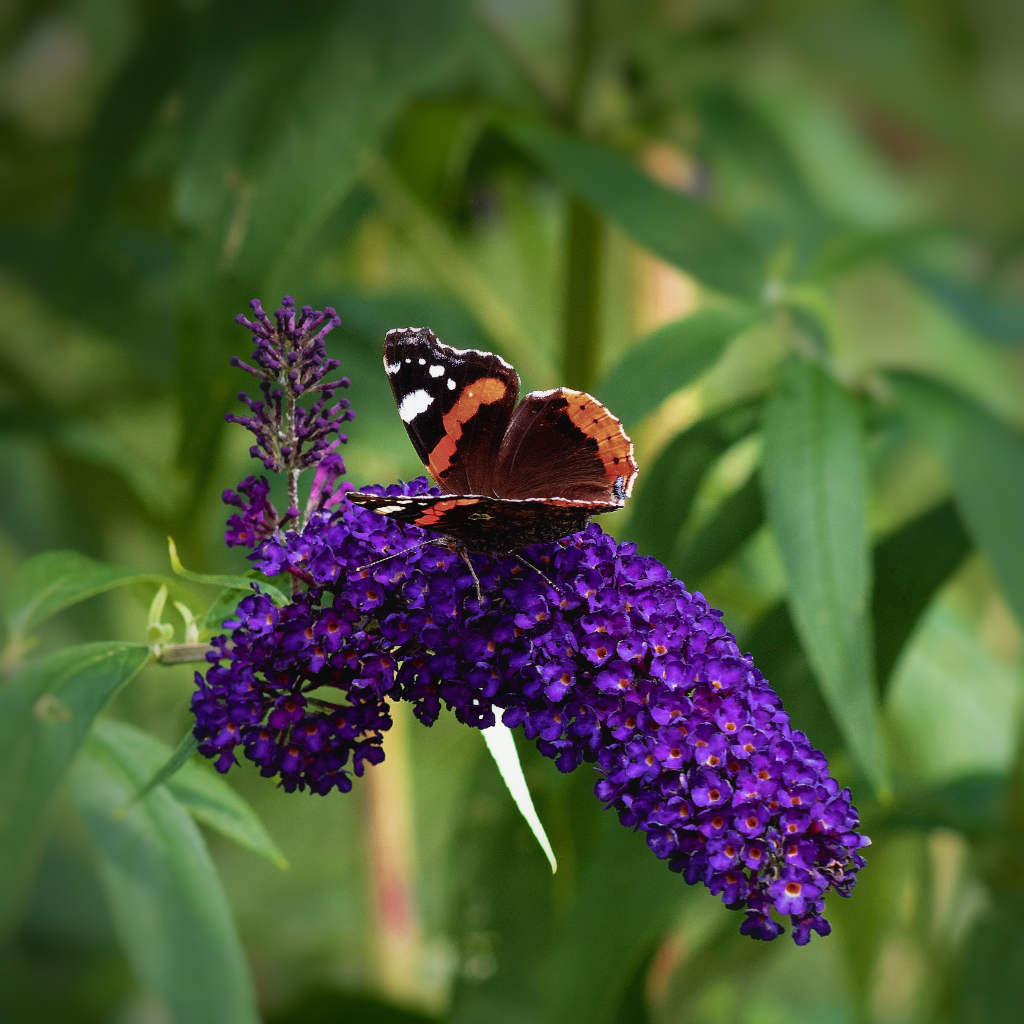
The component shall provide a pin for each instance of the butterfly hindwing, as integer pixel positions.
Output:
(565, 443)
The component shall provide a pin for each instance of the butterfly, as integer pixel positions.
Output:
(511, 474)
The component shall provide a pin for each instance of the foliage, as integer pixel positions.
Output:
(782, 240)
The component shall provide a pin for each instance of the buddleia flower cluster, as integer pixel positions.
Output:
(601, 657)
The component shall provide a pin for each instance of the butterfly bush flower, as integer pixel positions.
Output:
(601, 657)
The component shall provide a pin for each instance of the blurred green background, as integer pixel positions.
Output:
(830, 190)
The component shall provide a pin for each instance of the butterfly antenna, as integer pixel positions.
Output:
(551, 583)
(394, 554)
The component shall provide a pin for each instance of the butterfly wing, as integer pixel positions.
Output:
(480, 523)
(455, 403)
(565, 444)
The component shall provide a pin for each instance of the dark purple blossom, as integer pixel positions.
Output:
(601, 656)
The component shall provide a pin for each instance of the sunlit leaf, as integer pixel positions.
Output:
(168, 905)
(816, 497)
(502, 747)
(984, 460)
(46, 710)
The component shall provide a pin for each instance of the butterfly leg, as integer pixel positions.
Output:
(538, 571)
(464, 554)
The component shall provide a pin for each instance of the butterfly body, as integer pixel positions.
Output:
(512, 475)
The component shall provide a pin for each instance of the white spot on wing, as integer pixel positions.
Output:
(422, 361)
(387, 509)
(451, 384)
(393, 367)
(436, 370)
(413, 404)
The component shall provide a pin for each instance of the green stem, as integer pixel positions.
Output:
(581, 304)
(584, 229)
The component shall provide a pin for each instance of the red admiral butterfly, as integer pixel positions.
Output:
(511, 475)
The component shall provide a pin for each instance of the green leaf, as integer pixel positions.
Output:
(502, 747)
(55, 580)
(231, 581)
(201, 790)
(984, 460)
(668, 359)
(816, 497)
(46, 710)
(731, 525)
(208, 798)
(992, 314)
(992, 967)
(223, 607)
(280, 122)
(680, 229)
(910, 566)
(974, 805)
(623, 902)
(667, 490)
(171, 765)
(167, 903)
(850, 250)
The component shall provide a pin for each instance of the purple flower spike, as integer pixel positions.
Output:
(600, 655)
(290, 362)
(619, 666)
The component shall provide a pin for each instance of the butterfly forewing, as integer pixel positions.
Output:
(453, 402)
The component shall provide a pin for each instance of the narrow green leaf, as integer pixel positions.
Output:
(223, 607)
(280, 122)
(46, 710)
(229, 580)
(992, 962)
(502, 747)
(168, 906)
(210, 800)
(622, 904)
(680, 229)
(668, 359)
(733, 523)
(994, 314)
(910, 566)
(127, 111)
(974, 805)
(816, 496)
(200, 789)
(904, 587)
(850, 250)
(667, 490)
(984, 460)
(55, 580)
(170, 767)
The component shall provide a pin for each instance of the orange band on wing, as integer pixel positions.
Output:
(614, 447)
(481, 392)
